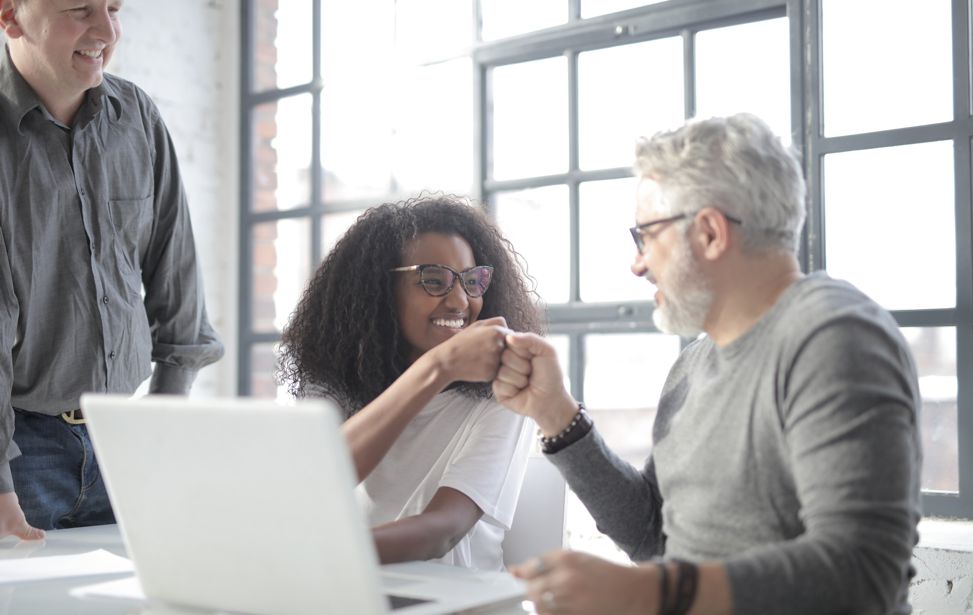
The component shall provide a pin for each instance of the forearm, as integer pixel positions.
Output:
(419, 537)
(372, 431)
(849, 571)
(625, 503)
(170, 380)
(430, 534)
(712, 596)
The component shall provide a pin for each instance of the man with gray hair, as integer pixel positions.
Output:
(784, 474)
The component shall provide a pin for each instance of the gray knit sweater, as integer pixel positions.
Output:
(792, 455)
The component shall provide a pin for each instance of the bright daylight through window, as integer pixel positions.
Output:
(530, 108)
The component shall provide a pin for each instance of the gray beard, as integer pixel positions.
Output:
(684, 312)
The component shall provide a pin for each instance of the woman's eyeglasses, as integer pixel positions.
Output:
(438, 280)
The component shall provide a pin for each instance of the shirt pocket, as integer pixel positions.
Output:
(131, 221)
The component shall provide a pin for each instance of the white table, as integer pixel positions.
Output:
(53, 597)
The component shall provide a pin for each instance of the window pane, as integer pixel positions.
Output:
(281, 268)
(282, 154)
(537, 222)
(624, 374)
(263, 367)
(615, 108)
(425, 29)
(623, 379)
(334, 226)
(581, 533)
(530, 130)
(934, 349)
(503, 18)
(890, 224)
(607, 250)
(746, 68)
(357, 107)
(434, 135)
(885, 64)
(283, 37)
(593, 8)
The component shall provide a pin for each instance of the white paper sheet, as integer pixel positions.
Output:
(62, 566)
(126, 589)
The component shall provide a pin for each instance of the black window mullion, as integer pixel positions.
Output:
(573, 185)
(245, 251)
(689, 72)
(317, 175)
(812, 130)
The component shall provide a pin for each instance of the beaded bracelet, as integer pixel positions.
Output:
(579, 426)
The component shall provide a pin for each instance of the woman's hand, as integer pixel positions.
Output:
(472, 355)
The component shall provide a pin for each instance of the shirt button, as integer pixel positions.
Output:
(111, 355)
(105, 299)
(81, 192)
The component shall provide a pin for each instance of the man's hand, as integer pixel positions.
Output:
(12, 519)
(577, 583)
(529, 382)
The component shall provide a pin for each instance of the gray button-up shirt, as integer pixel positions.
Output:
(98, 272)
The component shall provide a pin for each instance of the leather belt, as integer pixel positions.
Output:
(74, 417)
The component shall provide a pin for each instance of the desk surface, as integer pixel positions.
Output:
(47, 597)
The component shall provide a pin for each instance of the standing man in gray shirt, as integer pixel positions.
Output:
(92, 215)
(784, 474)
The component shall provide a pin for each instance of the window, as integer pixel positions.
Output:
(533, 108)
(323, 138)
(559, 127)
(890, 178)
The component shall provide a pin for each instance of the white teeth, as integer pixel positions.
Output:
(456, 323)
(90, 54)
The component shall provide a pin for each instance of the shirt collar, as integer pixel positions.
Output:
(22, 99)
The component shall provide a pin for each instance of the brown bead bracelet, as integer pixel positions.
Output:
(579, 426)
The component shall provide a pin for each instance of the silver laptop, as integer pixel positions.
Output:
(249, 505)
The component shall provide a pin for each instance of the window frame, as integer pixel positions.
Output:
(576, 319)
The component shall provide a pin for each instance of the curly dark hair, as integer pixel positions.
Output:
(343, 339)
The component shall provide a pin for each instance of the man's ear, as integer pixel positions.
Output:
(712, 233)
(8, 20)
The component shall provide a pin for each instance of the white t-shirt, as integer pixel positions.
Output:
(472, 445)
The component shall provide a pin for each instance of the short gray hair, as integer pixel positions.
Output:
(736, 164)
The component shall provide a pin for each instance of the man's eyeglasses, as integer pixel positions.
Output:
(438, 280)
(638, 232)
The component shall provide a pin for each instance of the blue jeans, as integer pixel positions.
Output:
(56, 476)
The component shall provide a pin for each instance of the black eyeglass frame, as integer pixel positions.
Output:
(638, 229)
(461, 275)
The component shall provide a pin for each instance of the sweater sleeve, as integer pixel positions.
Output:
(624, 502)
(848, 411)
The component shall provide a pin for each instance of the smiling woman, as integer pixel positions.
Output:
(403, 325)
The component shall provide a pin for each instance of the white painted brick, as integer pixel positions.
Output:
(185, 54)
(943, 584)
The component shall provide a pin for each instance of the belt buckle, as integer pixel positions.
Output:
(73, 417)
